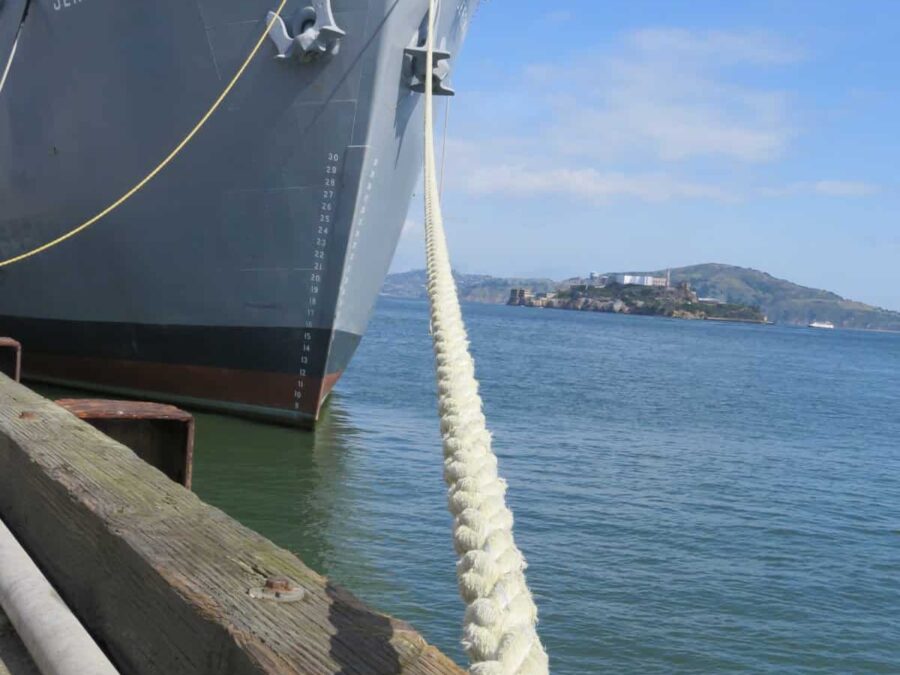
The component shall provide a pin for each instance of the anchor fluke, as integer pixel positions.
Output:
(311, 32)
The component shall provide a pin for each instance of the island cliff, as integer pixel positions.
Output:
(781, 301)
(679, 302)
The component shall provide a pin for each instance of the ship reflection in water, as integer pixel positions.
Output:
(353, 499)
(282, 482)
(288, 484)
(359, 499)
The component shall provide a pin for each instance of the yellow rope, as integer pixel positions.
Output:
(159, 167)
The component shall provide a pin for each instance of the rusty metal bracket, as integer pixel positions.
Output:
(162, 435)
(11, 358)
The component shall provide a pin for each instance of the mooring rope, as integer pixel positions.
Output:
(500, 635)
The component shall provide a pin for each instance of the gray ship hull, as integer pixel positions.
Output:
(243, 276)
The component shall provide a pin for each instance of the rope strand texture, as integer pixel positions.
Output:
(499, 632)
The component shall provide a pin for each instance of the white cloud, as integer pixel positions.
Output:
(830, 188)
(665, 114)
(720, 47)
(586, 183)
(409, 253)
(670, 95)
(845, 188)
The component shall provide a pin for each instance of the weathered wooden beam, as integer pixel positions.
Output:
(165, 583)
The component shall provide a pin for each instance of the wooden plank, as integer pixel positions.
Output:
(164, 581)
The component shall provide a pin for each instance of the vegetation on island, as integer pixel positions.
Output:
(780, 300)
(678, 302)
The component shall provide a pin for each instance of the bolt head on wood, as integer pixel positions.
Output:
(279, 589)
(279, 584)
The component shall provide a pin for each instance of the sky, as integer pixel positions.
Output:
(639, 135)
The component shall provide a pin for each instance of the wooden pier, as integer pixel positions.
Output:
(166, 584)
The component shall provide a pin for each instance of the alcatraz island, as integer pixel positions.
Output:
(708, 290)
(641, 294)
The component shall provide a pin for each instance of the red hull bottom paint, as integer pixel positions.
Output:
(261, 395)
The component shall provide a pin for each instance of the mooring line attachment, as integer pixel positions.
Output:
(163, 164)
(500, 634)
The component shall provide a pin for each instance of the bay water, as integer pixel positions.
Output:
(691, 496)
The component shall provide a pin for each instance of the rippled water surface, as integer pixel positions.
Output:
(691, 496)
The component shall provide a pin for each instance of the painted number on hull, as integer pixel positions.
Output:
(359, 226)
(65, 4)
(319, 255)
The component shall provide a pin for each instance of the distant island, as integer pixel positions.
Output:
(719, 289)
(637, 294)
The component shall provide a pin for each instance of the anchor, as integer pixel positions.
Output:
(310, 33)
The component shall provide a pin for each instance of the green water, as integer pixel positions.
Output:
(691, 496)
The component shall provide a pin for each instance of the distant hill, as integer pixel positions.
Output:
(471, 287)
(781, 300)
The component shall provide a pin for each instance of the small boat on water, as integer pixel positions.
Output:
(821, 324)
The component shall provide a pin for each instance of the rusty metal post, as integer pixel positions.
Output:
(10, 358)
(162, 435)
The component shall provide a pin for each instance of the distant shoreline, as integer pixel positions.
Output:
(652, 296)
(783, 324)
(762, 322)
(781, 301)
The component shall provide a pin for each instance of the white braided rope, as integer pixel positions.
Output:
(499, 626)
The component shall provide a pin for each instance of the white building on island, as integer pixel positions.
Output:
(639, 280)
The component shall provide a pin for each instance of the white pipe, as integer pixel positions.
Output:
(57, 642)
